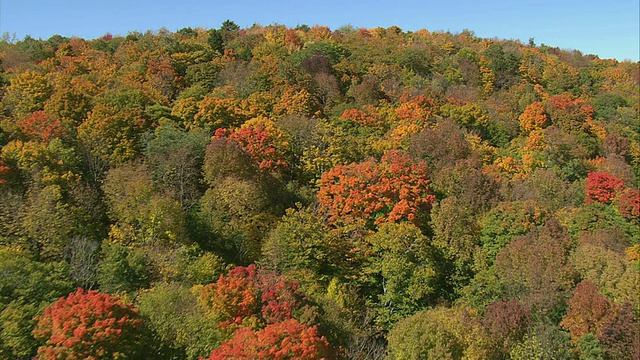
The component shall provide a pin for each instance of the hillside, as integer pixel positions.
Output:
(281, 193)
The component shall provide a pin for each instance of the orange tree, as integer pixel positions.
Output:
(289, 339)
(391, 190)
(88, 325)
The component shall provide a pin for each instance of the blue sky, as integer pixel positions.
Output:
(608, 29)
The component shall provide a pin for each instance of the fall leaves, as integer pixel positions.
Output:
(389, 191)
(306, 193)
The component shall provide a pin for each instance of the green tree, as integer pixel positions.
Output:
(399, 274)
(122, 269)
(27, 287)
(140, 214)
(177, 321)
(303, 244)
(175, 159)
(439, 333)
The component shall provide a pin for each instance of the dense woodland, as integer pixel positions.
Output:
(300, 193)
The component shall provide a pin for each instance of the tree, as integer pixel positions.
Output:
(439, 333)
(629, 204)
(41, 126)
(140, 214)
(536, 269)
(122, 269)
(391, 190)
(506, 222)
(175, 159)
(27, 92)
(569, 113)
(613, 325)
(264, 141)
(280, 341)
(543, 342)
(254, 297)
(602, 187)
(620, 335)
(88, 325)
(172, 313)
(227, 158)
(27, 287)
(506, 323)
(112, 133)
(429, 144)
(237, 212)
(534, 118)
(214, 113)
(399, 274)
(302, 244)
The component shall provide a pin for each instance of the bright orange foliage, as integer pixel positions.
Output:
(534, 117)
(416, 110)
(391, 190)
(359, 116)
(250, 296)
(264, 142)
(41, 126)
(284, 340)
(233, 298)
(88, 325)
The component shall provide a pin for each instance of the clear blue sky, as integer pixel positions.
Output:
(609, 29)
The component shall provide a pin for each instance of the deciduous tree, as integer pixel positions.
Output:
(391, 190)
(88, 325)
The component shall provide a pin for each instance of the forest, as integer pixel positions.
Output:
(307, 193)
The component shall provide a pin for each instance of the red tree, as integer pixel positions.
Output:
(88, 325)
(263, 141)
(391, 190)
(283, 340)
(233, 298)
(41, 126)
(602, 187)
(588, 311)
(3, 169)
(360, 117)
(251, 296)
(629, 204)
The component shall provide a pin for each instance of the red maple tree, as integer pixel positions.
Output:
(288, 339)
(602, 187)
(88, 325)
(391, 190)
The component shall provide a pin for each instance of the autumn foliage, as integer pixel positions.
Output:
(602, 187)
(250, 296)
(263, 141)
(284, 340)
(3, 170)
(391, 190)
(588, 311)
(403, 194)
(258, 307)
(88, 325)
(629, 204)
(359, 117)
(534, 118)
(41, 126)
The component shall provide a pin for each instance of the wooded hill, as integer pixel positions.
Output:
(299, 193)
